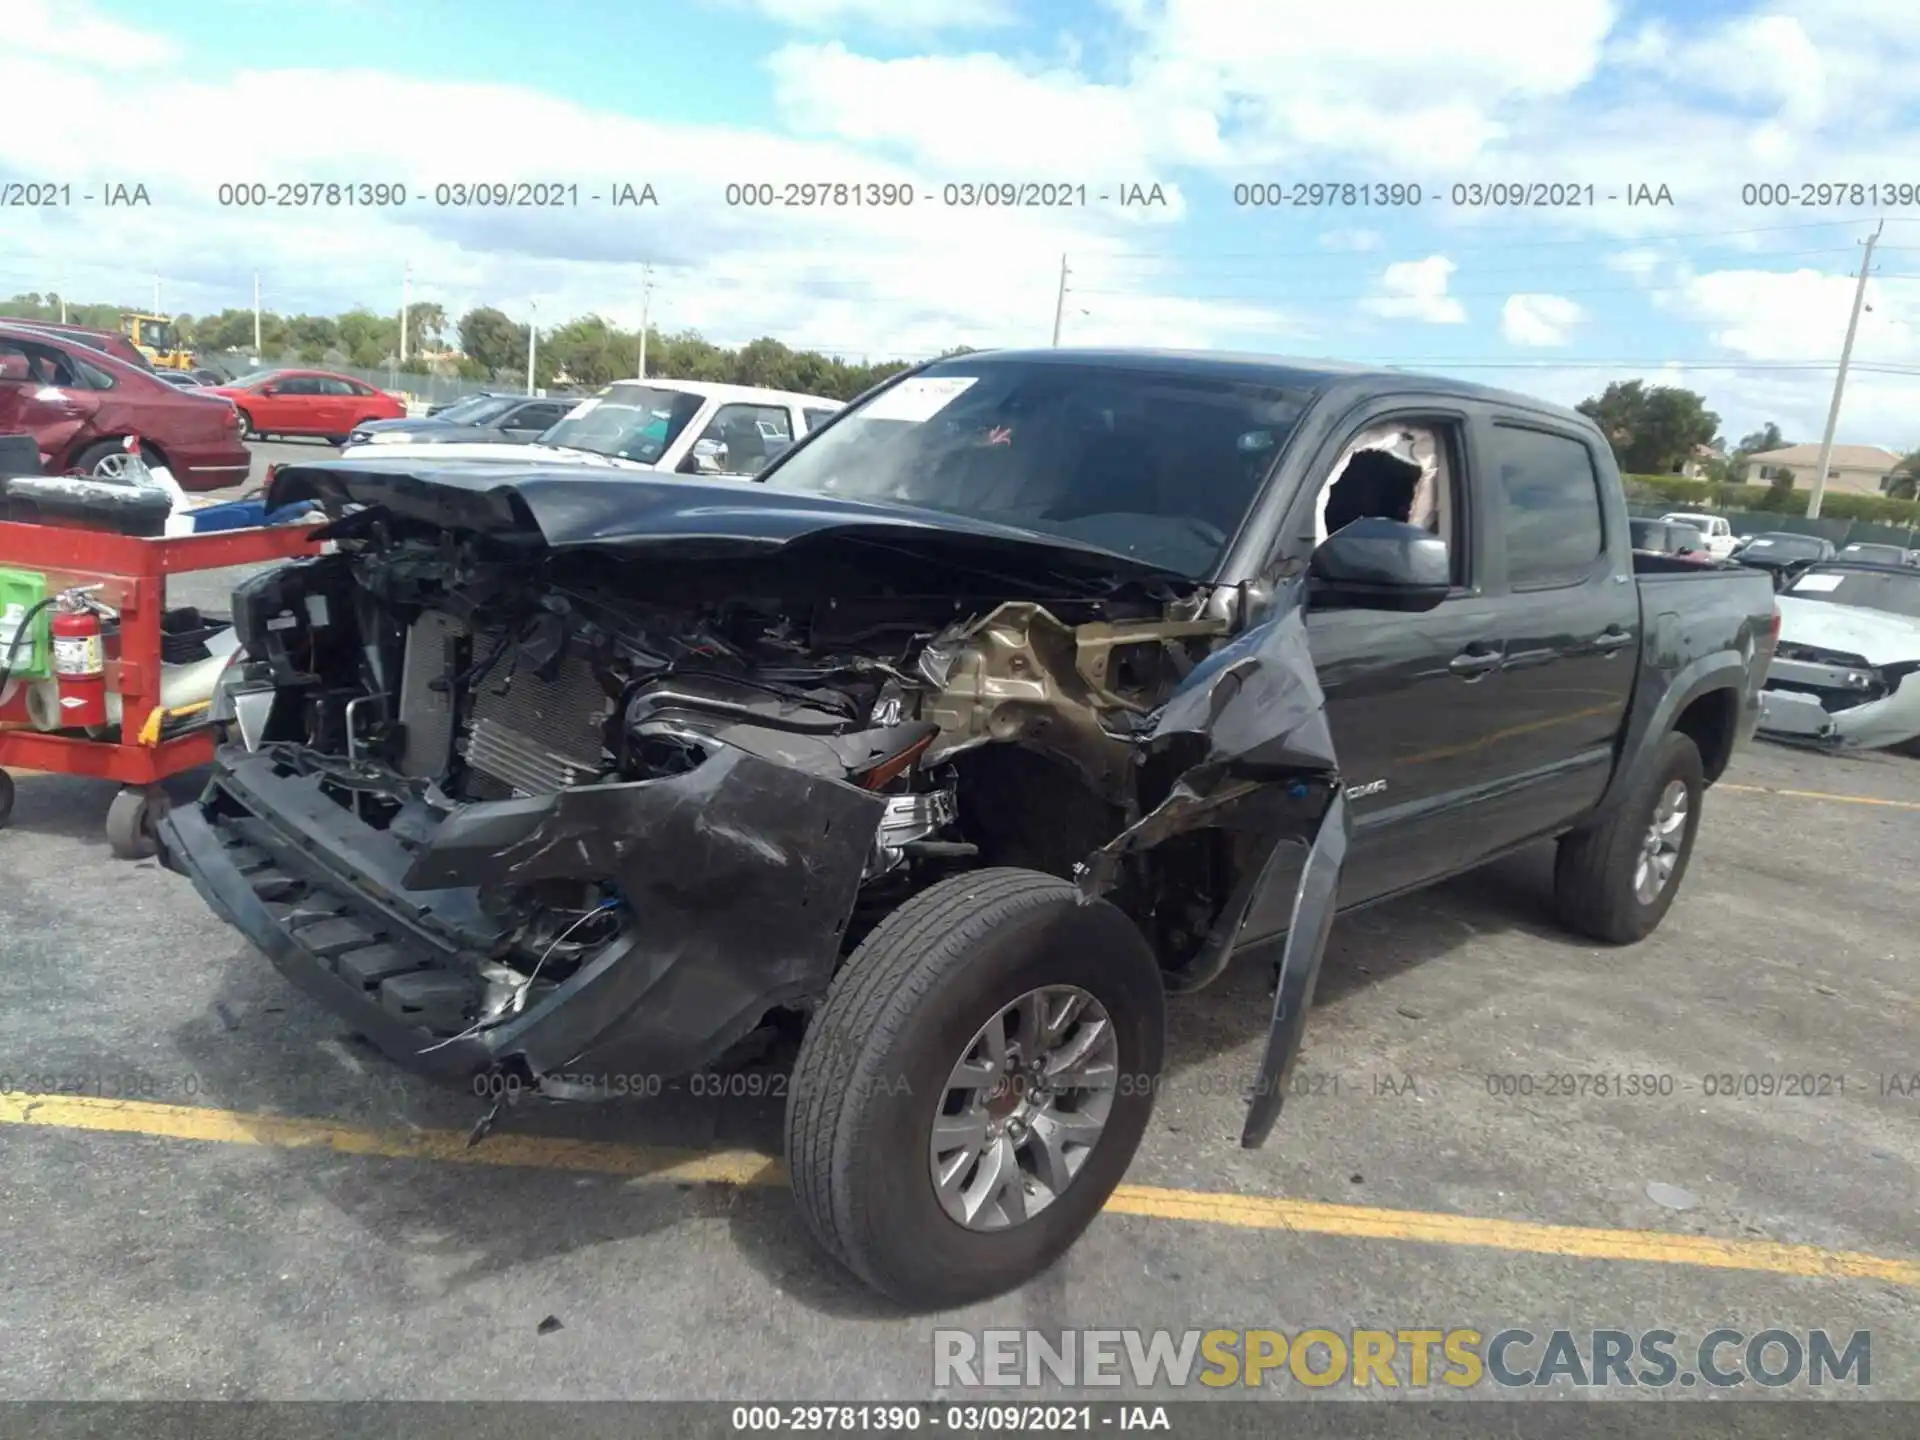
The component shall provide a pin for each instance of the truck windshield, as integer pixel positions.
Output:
(1784, 545)
(1154, 465)
(632, 422)
(1896, 594)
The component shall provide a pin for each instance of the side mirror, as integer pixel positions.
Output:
(706, 457)
(1376, 564)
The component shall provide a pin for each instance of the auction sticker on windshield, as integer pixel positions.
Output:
(918, 399)
(1819, 582)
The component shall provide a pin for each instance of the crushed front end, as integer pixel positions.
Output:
(580, 816)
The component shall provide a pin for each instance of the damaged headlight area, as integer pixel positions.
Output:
(1839, 699)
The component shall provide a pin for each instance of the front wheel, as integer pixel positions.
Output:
(1617, 881)
(975, 1086)
(247, 432)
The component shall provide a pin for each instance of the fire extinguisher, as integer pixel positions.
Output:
(79, 663)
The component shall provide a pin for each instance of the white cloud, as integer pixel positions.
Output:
(1801, 315)
(71, 30)
(1352, 240)
(880, 281)
(898, 15)
(1539, 319)
(1417, 290)
(984, 115)
(1640, 261)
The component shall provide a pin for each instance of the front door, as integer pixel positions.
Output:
(1412, 699)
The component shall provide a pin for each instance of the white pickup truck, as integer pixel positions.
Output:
(691, 427)
(1720, 536)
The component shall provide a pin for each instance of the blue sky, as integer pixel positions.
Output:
(1745, 302)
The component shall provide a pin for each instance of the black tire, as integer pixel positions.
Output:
(131, 819)
(102, 449)
(875, 1061)
(6, 797)
(1594, 872)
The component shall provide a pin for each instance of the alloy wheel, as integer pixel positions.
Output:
(1660, 850)
(1024, 1107)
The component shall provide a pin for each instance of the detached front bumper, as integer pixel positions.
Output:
(1813, 713)
(740, 877)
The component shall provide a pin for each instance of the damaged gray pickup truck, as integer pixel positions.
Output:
(1032, 687)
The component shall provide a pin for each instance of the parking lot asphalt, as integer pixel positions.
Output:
(282, 1214)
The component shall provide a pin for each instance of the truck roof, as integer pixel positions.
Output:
(1288, 372)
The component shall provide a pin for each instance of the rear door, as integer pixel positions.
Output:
(1571, 615)
(341, 405)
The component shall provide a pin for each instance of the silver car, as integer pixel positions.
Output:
(1846, 671)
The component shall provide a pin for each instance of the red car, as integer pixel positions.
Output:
(307, 402)
(80, 405)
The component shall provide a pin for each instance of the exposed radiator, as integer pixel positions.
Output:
(540, 735)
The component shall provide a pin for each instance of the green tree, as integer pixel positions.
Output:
(1652, 431)
(426, 324)
(1905, 484)
(492, 339)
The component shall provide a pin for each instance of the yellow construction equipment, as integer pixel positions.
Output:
(156, 338)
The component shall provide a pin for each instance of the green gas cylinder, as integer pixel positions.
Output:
(20, 591)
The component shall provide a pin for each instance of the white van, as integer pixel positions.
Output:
(1719, 533)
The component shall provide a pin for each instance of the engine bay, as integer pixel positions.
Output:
(419, 672)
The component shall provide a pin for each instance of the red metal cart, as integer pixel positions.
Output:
(131, 574)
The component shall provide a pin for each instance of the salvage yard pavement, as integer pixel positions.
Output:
(277, 1212)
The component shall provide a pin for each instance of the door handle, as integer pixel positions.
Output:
(1612, 638)
(1476, 661)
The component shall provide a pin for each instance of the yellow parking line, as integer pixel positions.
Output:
(1821, 795)
(742, 1167)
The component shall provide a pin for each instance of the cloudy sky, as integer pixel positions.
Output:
(1732, 108)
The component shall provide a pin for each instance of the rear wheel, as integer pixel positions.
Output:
(247, 432)
(108, 460)
(1617, 881)
(975, 1086)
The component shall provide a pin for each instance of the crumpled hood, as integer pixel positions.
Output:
(1878, 636)
(687, 517)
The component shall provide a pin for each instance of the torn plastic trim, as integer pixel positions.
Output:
(1257, 714)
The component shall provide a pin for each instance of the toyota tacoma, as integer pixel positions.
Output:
(1031, 688)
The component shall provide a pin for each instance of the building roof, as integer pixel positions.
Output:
(1845, 457)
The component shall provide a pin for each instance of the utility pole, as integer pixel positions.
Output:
(406, 303)
(533, 339)
(1060, 301)
(646, 305)
(1840, 380)
(63, 309)
(256, 317)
